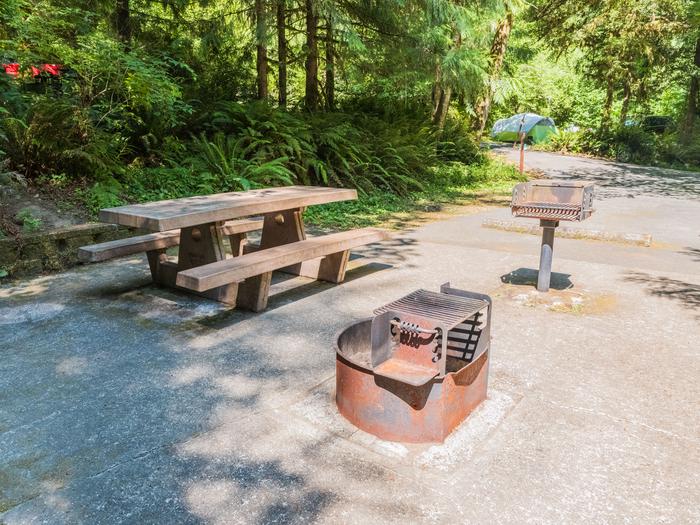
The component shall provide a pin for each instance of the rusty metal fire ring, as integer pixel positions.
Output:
(393, 410)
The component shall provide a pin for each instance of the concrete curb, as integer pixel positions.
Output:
(638, 239)
(54, 250)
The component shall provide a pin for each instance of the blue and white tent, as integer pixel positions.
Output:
(536, 127)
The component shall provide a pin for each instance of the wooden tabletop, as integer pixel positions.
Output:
(193, 211)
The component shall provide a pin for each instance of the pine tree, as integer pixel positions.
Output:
(311, 63)
(282, 53)
(497, 55)
(261, 48)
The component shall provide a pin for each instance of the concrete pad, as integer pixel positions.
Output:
(126, 403)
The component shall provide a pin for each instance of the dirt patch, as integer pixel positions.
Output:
(27, 209)
(575, 302)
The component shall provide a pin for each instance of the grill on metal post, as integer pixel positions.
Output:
(551, 201)
(418, 368)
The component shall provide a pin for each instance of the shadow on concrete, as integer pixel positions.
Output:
(687, 294)
(619, 180)
(135, 404)
(394, 251)
(693, 253)
(528, 277)
(155, 424)
(288, 295)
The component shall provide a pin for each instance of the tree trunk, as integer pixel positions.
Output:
(626, 95)
(282, 53)
(311, 65)
(436, 92)
(123, 21)
(498, 53)
(607, 108)
(330, 66)
(445, 93)
(691, 111)
(442, 107)
(261, 44)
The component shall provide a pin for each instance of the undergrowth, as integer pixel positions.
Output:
(628, 144)
(448, 182)
(453, 183)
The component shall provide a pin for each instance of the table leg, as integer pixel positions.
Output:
(254, 292)
(155, 259)
(288, 226)
(238, 242)
(199, 245)
(282, 228)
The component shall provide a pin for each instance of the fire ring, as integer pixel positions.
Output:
(388, 401)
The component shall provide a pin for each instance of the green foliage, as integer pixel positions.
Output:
(29, 222)
(221, 163)
(672, 152)
(368, 210)
(167, 111)
(562, 141)
(103, 194)
(55, 136)
(451, 182)
(153, 184)
(358, 150)
(366, 155)
(456, 143)
(628, 144)
(633, 144)
(109, 104)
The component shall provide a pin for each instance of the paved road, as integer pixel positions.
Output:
(632, 199)
(615, 179)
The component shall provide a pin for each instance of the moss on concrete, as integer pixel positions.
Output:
(54, 250)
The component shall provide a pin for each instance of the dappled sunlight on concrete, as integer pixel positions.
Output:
(190, 374)
(72, 366)
(25, 289)
(685, 293)
(125, 402)
(29, 313)
(237, 386)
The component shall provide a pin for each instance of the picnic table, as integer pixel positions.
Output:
(200, 225)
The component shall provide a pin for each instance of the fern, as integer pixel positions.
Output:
(223, 160)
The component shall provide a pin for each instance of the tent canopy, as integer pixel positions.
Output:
(535, 127)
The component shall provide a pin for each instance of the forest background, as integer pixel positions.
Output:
(170, 98)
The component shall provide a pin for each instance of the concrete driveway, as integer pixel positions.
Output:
(124, 403)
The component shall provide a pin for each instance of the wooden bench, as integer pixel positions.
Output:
(323, 258)
(235, 230)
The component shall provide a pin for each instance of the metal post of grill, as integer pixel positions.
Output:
(551, 201)
(546, 252)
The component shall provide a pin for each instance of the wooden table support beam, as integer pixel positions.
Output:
(199, 245)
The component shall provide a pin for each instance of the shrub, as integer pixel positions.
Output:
(54, 136)
(457, 143)
(671, 151)
(29, 222)
(222, 163)
(633, 144)
(562, 141)
(338, 149)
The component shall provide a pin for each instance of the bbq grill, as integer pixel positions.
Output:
(416, 369)
(551, 201)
